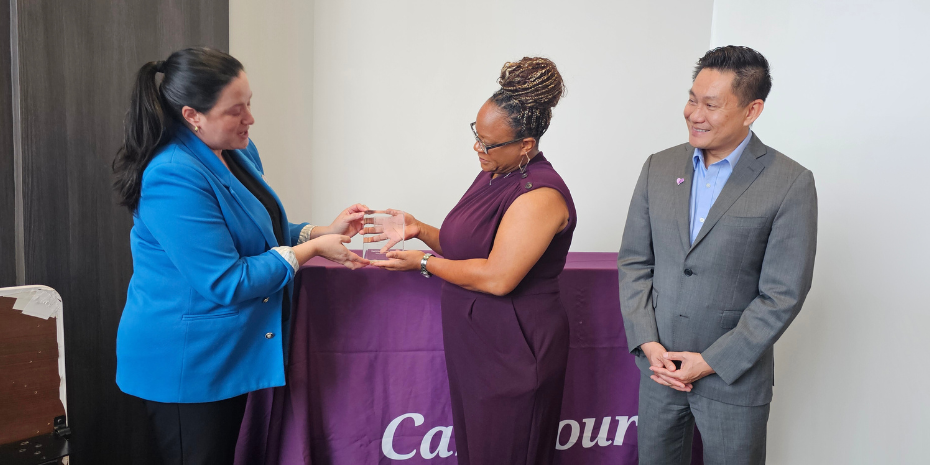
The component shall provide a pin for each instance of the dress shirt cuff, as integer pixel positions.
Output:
(287, 254)
(305, 233)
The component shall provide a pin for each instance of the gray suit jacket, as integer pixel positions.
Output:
(731, 294)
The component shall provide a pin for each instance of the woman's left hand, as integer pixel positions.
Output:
(401, 260)
(349, 222)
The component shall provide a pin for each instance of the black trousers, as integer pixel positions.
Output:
(197, 434)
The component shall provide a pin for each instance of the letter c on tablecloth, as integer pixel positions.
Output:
(387, 442)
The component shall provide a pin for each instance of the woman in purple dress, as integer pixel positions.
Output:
(503, 247)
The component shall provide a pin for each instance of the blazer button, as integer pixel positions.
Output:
(269, 335)
(266, 300)
(688, 272)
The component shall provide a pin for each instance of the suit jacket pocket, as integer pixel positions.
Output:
(744, 221)
(211, 316)
(729, 319)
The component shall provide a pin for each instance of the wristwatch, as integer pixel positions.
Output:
(426, 274)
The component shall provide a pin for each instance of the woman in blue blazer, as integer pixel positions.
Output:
(214, 256)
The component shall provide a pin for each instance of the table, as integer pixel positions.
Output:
(366, 380)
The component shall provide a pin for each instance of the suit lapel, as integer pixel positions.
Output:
(683, 198)
(247, 164)
(206, 156)
(243, 197)
(744, 173)
(255, 210)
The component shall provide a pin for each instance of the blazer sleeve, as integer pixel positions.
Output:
(785, 279)
(635, 264)
(294, 230)
(180, 209)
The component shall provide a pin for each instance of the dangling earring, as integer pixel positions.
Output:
(522, 166)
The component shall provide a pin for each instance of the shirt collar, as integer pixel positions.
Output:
(732, 158)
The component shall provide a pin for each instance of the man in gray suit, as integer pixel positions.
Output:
(716, 261)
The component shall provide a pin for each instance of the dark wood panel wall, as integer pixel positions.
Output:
(7, 172)
(76, 63)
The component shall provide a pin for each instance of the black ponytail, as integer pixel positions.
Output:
(193, 77)
(144, 128)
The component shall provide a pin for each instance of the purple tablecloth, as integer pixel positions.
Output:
(366, 379)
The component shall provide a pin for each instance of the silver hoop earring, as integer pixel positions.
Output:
(522, 166)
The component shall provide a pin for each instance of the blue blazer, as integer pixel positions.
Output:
(202, 320)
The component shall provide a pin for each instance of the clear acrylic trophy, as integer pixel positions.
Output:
(384, 229)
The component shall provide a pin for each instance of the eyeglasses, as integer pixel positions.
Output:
(484, 147)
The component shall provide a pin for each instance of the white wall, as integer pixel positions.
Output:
(395, 85)
(369, 101)
(849, 102)
(274, 41)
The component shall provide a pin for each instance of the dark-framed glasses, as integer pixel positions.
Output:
(483, 148)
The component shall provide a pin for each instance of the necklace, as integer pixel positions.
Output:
(502, 177)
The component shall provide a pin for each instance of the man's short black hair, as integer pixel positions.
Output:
(752, 80)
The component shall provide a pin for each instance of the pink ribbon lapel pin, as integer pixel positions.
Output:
(680, 180)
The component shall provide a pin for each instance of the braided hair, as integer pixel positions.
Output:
(530, 88)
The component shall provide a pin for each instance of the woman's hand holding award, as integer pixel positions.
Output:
(384, 232)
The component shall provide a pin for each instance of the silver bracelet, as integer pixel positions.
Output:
(426, 274)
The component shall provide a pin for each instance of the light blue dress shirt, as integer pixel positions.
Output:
(708, 182)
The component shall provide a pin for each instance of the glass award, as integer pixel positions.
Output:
(384, 229)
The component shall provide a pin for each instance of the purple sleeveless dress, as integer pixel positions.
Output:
(506, 356)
